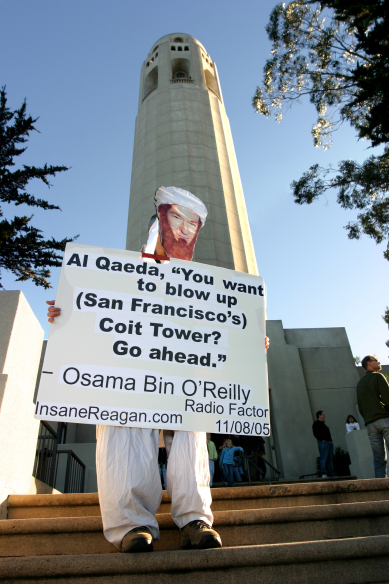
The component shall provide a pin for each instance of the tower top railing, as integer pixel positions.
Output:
(184, 80)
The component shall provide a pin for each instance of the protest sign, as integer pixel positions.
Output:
(176, 345)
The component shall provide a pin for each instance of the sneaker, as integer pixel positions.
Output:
(323, 476)
(137, 540)
(199, 535)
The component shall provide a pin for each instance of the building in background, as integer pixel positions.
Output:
(183, 138)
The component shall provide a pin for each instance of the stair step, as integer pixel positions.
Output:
(349, 561)
(255, 497)
(83, 535)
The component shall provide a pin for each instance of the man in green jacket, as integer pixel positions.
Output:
(373, 403)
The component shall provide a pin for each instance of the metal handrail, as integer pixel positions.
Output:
(250, 461)
(47, 461)
(75, 472)
(46, 455)
(315, 474)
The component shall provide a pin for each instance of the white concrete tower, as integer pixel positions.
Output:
(183, 138)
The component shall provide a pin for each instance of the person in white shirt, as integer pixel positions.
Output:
(351, 424)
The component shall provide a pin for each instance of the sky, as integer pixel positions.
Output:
(78, 62)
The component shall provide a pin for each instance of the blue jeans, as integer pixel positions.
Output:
(378, 432)
(211, 471)
(326, 450)
(236, 474)
(227, 472)
(162, 474)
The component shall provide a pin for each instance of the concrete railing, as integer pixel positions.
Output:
(184, 80)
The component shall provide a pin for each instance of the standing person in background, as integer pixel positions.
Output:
(326, 447)
(351, 424)
(261, 453)
(127, 458)
(373, 403)
(212, 455)
(162, 462)
(227, 461)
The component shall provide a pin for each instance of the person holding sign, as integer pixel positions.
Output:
(127, 458)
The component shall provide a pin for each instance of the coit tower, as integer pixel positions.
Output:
(183, 139)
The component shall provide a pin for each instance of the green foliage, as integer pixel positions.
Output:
(23, 250)
(359, 186)
(336, 52)
(386, 319)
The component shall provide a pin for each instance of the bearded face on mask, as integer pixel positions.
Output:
(178, 228)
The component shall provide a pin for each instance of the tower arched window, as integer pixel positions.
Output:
(172, 48)
(181, 69)
(186, 49)
(179, 48)
(211, 83)
(178, 40)
(151, 81)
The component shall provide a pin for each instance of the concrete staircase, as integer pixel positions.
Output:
(323, 532)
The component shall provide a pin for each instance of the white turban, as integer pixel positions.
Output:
(173, 196)
(176, 196)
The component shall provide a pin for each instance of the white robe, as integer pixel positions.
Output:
(129, 484)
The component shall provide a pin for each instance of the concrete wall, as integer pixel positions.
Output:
(20, 348)
(330, 375)
(309, 370)
(361, 454)
(296, 449)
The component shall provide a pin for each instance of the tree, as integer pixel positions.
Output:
(23, 250)
(386, 319)
(337, 53)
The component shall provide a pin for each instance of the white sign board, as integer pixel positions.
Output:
(175, 345)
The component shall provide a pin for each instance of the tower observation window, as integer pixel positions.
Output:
(211, 83)
(151, 82)
(173, 48)
(179, 48)
(186, 49)
(178, 40)
(181, 69)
